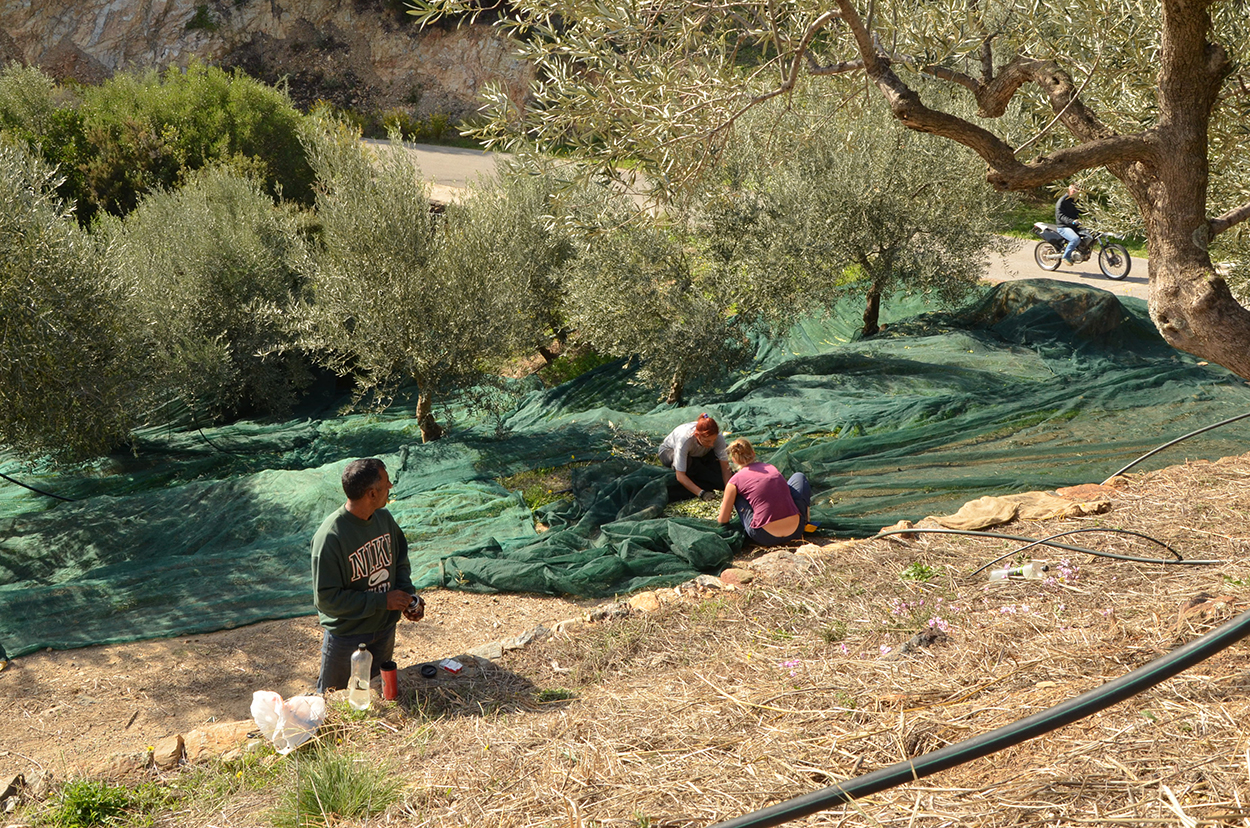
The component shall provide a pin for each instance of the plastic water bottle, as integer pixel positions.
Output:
(1031, 571)
(358, 695)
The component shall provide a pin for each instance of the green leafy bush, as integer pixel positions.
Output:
(138, 133)
(85, 803)
(66, 361)
(209, 270)
(202, 19)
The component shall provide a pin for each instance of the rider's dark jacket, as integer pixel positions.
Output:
(1066, 212)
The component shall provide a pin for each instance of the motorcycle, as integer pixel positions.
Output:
(1113, 258)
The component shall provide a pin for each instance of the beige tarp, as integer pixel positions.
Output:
(985, 512)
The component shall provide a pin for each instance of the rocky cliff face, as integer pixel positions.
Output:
(366, 55)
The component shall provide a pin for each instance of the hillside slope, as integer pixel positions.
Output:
(365, 55)
(713, 705)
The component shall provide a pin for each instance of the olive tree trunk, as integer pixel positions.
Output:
(1165, 167)
(430, 430)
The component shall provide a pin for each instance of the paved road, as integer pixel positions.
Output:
(451, 169)
(1019, 264)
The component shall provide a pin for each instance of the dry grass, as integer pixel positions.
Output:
(706, 710)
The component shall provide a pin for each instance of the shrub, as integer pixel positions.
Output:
(147, 131)
(202, 19)
(65, 360)
(84, 803)
(209, 269)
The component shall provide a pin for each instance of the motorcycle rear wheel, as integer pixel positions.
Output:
(1114, 261)
(1046, 256)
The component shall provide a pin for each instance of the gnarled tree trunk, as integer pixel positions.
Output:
(872, 312)
(1190, 304)
(676, 388)
(1166, 167)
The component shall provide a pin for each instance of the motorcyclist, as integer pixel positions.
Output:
(1067, 220)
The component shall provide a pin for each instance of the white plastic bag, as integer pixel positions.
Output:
(288, 724)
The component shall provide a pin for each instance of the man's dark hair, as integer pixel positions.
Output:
(360, 475)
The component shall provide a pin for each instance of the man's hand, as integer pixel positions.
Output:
(416, 609)
(707, 495)
(397, 599)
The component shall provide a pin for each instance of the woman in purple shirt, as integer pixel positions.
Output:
(773, 510)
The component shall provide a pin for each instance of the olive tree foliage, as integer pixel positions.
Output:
(511, 230)
(1153, 92)
(66, 364)
(821, 203)
(397, 293)
(203, 266)
(644, 288)
(27, 100)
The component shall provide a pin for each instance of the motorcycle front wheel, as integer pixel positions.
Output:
(1047, 257)
(1114, 261)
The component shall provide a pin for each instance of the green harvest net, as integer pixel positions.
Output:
(1036, 385)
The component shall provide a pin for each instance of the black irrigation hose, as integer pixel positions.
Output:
(1077, 532)
(1174, 442)
(1048, 542)
(1086, 704)
(36, 491)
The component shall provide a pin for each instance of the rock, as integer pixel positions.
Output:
(535, 634)
(168, 752)
(837, 547)
(781, 565)
(607, 612)
(924, 638)
(211, 741)
(316, 44)
(39, 785)
(566, 626)
(902, 524)
(121, 765)
(11, 787)
(737, 577)
(490, 652)
(645, 602)
(672, 596)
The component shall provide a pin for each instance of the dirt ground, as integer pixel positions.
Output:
(66, 712)
(1024, 644)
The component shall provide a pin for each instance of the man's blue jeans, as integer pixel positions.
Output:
(800, 491)
(1073, 237)
(336, 656)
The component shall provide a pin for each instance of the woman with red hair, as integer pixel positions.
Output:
(697, 453)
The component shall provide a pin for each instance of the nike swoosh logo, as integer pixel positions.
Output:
(379, 576)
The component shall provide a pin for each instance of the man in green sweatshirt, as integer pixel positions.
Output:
(361, 576)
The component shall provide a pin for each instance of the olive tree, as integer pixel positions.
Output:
(1150, 92)
(397, 293)
(642, 287)
(208, 269)
(67, 367)
(819, 203)
(511, 230)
